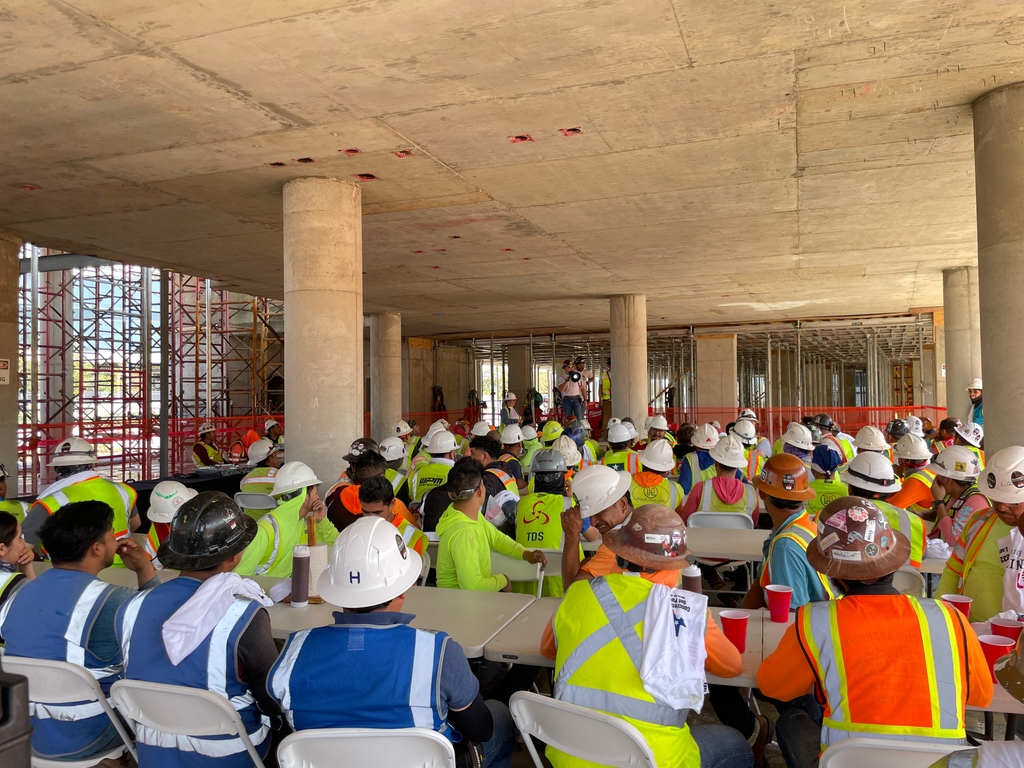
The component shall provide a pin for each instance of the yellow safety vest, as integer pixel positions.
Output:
(539, 526)
(413, 537)
(606, 387)
(667, 493)
(624, 461)
(910, 526)
(396, 478)
(697, 474)
(212, 452)
(506, 479)
(828, 491)
(286, 532)
(977, 452)
(709, 501)
(432, 474)
(260, 480)
(17, 508)
(927, 477)
(755, 461)
(530, 447)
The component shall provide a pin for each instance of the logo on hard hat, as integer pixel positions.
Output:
(65, 447)
(991, 480)
(1017, 479)
(788, 482)
(401, 547)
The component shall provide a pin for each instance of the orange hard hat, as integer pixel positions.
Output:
(784, 476)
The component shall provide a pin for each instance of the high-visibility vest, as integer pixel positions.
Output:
(17, 508)
(6, 577)
(506, 479)
(925, 476)
(709, 501)
(955, 505)
(413, 537)
(598, 666)
(697, 474)
(801, 530)
(431, 474)
(843, 447)
(755, 461)
(286, 531)
(667, 493)
(530, 447)
(840, 637)
(624, 461)
(606, 387)
(539, 526)
(212, 666)
(828, 491)
(977, 452)
(910, 526)
(210, 451)
(396, 477)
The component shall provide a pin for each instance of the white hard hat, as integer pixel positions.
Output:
(166, 497)
(597, 487)
(647, 422)
(529, 433)
(207, 426)
(705, 437)
(510, 396)
(633, 433)
(512, 435)
(729, 451)
(658, 456)
(912, 448)
(480, 429)
(870, 438)
(270, 423)
(441, 442)
(871, 472)
(293, 476)
(401, 428)
(566, 446)
(259, 450)
(392, 449)
(72, 452)
(1003, 477)
(587, 426)
(971, 432)
(975, 384)
(745, 430)
(798, 436)
(613, 421)
(915, 425)
(748, 414)
(957, 462)
(439, 424)
(619, 433)
(370, 565)
(658, 422)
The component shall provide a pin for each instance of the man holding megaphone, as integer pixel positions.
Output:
(573, 387)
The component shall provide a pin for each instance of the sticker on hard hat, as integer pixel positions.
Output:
(1017, 479)
(842, 554)
(960, 466)
(656, 538)
(401, 547)
(828, 541)
(991, 480)
(871, 550)
(869, 530)
(788, 482)
(859, 514)
(837, 521)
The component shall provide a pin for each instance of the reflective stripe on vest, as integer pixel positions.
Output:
(620, 627)
(506, 479)
(265, 566)
(976, 540)
(802, 530)
(910, 526)
(820, 631)
(709, 501)
(397, 478)
(755, 460)
(655, 494)
(698, 475)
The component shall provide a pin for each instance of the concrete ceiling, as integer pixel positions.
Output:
(735, 161)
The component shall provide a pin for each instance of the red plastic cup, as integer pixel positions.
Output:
(779, 598)
(734, 625)
(961, 602)
(995, 647)
(1010, 628)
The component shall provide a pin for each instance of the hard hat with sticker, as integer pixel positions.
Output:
(856, 541)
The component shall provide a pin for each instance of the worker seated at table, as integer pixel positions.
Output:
(67, 614)
(15, 557)
(165, 500)
(884, 665)
(467, 538)
(395, 676)
(697, 465)
(539, 519)
(392, 449)
(955, 493)
(725, 491)
(441, 447)
(619, 455)
(913, 457)
(204, 452)
(286, 526)
(825, 483)
(377, 497)
(602, 663)
(1002, 480)
(344, 507)
(205, 629)
(501, 498)
(653, 485)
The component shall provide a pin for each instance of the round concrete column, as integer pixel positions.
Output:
(963, 336)
(9, 272)
(323, 306)
(629, 357)
(385, 373)
(999, 168)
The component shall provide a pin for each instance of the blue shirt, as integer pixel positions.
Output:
(686, 478)
(978, 414)
(789, 567)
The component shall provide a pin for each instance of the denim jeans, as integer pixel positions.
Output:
(498, 749)
(573, 406)
(722, 747)
(798, 732)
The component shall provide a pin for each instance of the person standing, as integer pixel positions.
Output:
(509, 414)
(573, 385)
(606, 396)
(974, 391)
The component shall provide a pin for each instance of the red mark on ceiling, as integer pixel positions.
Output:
(418, 251)
(305, 160)
(576, 131)
(403, 153)
(519, 138)
(28, 187)
(277, 165)
(352, 151)
(440, 250)
(507, 250)
(365, 176)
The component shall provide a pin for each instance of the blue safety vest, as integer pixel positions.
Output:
(362, 676)
(213, 666)
(50, 618)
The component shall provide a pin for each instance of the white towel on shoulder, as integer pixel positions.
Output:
(674, 653)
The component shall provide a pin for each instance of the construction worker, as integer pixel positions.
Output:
(165, 501)
(606, 395)
(403, 431)
(974, 391)
(944, 435)
(570, 453)
(271, 431)
(550, 432)
(657, 429)
(531, 444)
(344, 507)
(955, 492)
(17, 508)
(358, 447)
(726, 491)
(835, 438)
(763, 446)
(433, 473)
(479, 429)
(913, 685)
(467, 538)
(894, 430)
(652, 484)
(798, 441)
(872, 439)
(1003, 480)
(204, 452)
(377, 497)
(509, 414)
(501, 498)
(573, 386)
(593, 448)
(511, 450)
(73, 461)
(972, 436)
(539, 516)
(697, 465)
(746, 432)
(284, 527)
(619, 455)
(915, 426)
(392, 450)
(826, 485)
(598, 652)
(67, 614)
(913, 457)
(976, 567)
(16, 557)
(422, 456)
(179, 633)
(395, 676)
(264, 458)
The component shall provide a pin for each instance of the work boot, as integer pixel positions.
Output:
(765, 733)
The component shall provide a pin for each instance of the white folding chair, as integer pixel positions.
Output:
(518, 570)
(579, 732)
(367, 748)
(180, 711)
(882, 753)
(57, 683)
(425, 570)
(909, 581)
(732, 521)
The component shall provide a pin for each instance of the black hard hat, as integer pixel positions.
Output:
(897, 428)
(208, 529)
(360, 446)
(824, 421)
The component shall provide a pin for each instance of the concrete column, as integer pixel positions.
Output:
(385, 372)
(520, 371)
(999, 181)
(962, 335)
(9, 382)
(323, 292)
(629, 357)
(716, 377)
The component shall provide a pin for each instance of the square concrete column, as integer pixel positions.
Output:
(9, 382)
(520, 371)
(385, 373)
(323, 305)
(716, 374)
(962, 336)
(630, 380)
(999, 183)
